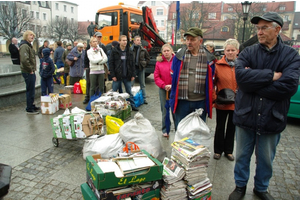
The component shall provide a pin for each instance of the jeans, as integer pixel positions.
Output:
(59, 64)
(141, 77)
(162, 99)
(47, 83)
(117, 84)
(224, 134)
(265, 149)
(65, 78)
(30, 90)
(185, 107)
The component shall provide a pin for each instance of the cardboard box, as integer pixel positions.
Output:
(92, 124)
(69, 88)
(109, 180)
(57, 132)
(49, 104)
(65, 101)
(65, 91)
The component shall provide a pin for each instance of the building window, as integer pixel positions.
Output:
(225, 29)
(72, 9)
(56, 17)
(195, 15)
(32, 14)
(65, 19)
(159, 11)
(156, 22)
(225, 17)
(174, 15)
(152, 3)
(43, 4)
(45, 29)
(32, 27)
(162, 22)
(56, 6)
(281, 7)
(4, 8)
(212, 15)
(264, 9)
(65, 8)
(230, 9)
(72, 20)
(37, 15)
(286, 17)
(44, 16)
(162, 35)
(34, 2)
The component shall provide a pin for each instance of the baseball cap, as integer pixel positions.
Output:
(194, 31)
(270, 17)
(98, 34)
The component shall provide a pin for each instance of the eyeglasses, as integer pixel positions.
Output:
(263, 28)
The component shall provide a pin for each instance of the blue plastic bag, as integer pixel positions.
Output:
(94, 97)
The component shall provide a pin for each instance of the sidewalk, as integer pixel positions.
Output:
(42, 171)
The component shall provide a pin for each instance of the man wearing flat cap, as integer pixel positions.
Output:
(267, 75)
(192, 71)
(97, 35)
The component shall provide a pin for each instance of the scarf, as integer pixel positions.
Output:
(201, 70)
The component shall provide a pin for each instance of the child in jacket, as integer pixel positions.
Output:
(46, 71)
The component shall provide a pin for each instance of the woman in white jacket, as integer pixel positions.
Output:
(97, 59)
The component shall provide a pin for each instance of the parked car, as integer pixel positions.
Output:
(294, 110)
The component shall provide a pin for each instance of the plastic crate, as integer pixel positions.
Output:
(126, 113)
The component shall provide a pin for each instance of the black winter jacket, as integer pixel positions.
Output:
(262, 104)
(115, 63)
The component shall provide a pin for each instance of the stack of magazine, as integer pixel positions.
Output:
(194, 158)
(174, 187)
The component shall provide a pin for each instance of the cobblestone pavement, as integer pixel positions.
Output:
(42, 171)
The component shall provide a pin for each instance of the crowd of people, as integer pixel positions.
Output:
(250, 90)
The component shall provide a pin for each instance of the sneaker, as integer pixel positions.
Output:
(238, 193)
(145, 102)
(263, 195)
(36, 108)
(32, 112)
(135, 108)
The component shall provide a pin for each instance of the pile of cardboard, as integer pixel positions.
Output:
(77, 125)
(194, 159)
(51, 103)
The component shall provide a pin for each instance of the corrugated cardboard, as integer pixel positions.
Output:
(49, 104)
(65, 101)
(92, 124)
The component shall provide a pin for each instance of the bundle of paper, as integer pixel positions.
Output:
(172, 171)
(174, 191)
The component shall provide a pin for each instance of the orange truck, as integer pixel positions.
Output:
(117, 20)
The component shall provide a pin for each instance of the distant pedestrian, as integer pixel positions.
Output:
(121, 67)
(14, 51)
(40, 51)
(76, 71)
(141, 59)
(46, 72)
(28, 68)
(66, 66)
(58, 55)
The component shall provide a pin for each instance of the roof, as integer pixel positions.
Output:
(215, 31)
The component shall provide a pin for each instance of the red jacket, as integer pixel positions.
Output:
(162, 72)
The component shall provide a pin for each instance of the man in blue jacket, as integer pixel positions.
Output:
(267, 74)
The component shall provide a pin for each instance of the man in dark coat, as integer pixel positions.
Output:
(267, 75)
(121, 67)
(14, 51)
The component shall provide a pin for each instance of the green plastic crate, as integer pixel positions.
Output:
(126, 113)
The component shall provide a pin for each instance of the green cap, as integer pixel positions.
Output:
(194, 31)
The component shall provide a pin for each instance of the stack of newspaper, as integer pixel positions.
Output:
(194, 158)
(174, 187)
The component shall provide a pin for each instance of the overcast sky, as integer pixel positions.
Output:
(87, 8)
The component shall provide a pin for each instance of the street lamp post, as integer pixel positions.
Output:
(246, 7)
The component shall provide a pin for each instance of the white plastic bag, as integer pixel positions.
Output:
(193, 127)
(107, 146)
(140, 131)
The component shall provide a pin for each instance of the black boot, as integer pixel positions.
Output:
(263, 195)
(238, 193)
(85, 101)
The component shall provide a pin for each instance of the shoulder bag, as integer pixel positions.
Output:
(225, 96)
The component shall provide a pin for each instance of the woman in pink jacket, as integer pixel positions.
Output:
(162, 78)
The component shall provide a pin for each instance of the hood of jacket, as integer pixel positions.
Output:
(25, 42)
(46, 52)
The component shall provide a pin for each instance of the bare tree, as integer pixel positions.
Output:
(57, 28)
(14, 19)
(72, 31)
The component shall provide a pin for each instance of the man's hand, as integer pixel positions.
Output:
(114, 78)
(277, 76)
(132, 78)
(75, 58)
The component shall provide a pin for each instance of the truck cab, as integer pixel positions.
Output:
(117, 20)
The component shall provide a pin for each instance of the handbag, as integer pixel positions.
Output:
(225, 96)
(70, 62)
